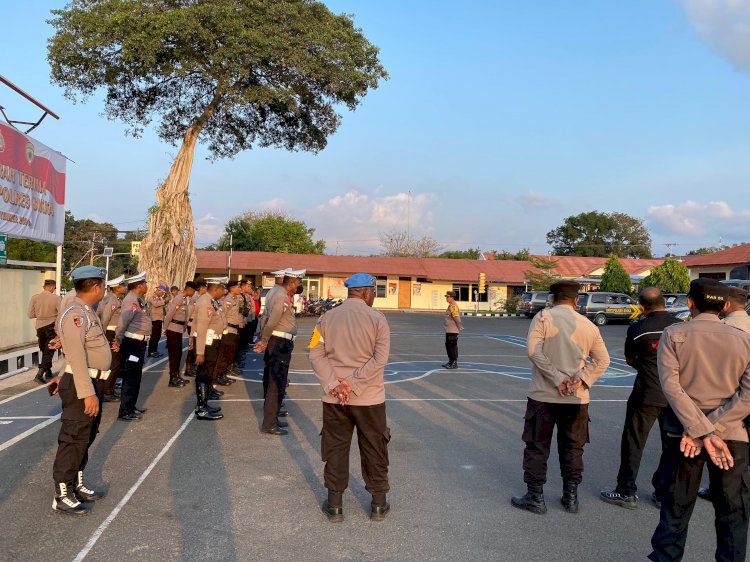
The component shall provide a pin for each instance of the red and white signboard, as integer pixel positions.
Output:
(32, 188)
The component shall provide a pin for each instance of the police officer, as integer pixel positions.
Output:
(704, 369)
(157, 304)
(109, 314)
(646, 402)
(44, 307)
(209, 323)
(234, 316)
(270, 299)
(80, 387)
(558, 343)
(277, 339)
(349, 352)
(175, 322)
(190, 367)
(452, 325)
(131, 338)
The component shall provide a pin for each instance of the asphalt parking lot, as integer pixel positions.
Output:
(182, 489)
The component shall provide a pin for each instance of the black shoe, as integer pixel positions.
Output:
(705, 493)
(569, 498)
(275, 431)
(334, 514)
(450, 365)
(129, 417)
(174, 383)
(206, 414)
(656, 501)
(281, 423)
(621, 500)
(223, 381)
(532, 501)
(110, 398)
(189, 372)
(283, 413)
(39, 378)
(139, 410)
(183, 382)
(84, 493)
(379, 512)
(66, 502)
(155, 354)
(215, 395)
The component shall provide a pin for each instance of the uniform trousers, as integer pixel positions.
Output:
(174, 349)
(572, 421)
(678, 490)
(373, 436)
(109, 384)
(153, 343)
(226, 354)
(44, 335)
(639, 419)
(190, 357)
(279, 356)
(77, 432)
(132, 353)
(205, 371)
(451, 347)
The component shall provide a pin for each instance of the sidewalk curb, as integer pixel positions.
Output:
(491, 315)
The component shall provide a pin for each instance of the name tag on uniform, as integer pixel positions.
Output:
(133, 358)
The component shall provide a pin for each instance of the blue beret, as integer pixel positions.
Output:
(88, 272)
(162, 287)
(360, 280)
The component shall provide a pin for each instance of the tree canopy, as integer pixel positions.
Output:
(615, 279)
(270, 231)
(671, 277)
(398, 243)
(231, 74)
(522, 255)
(470, 254)
(541, 277)
(601, 234)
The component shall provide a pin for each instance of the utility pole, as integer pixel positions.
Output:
(408, 217)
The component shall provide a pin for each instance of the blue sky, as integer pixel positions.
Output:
(500, 119)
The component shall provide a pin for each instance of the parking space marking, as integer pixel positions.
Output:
(28, 432)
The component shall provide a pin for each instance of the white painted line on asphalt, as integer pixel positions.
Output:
(28, 432)
(25, 417)
(103, 527)
(24, 393)
(160, 361)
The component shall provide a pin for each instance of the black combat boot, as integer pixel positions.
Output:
(569, 498)
(66, 501)
(190, 370)
(183, 382)
(532, 500)
(84, 493)
(379, 506)
(174, 380)
(39, 378)
(202, 412)
(450, 365)
(333, 507)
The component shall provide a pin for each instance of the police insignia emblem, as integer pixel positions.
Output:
(210, 311)
(114, 307)
(78, 321)
(29, 152)
(2, 142)
(135, 307)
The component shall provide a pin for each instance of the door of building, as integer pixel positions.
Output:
(404, 292)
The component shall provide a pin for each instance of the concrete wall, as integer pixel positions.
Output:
(16, 288)
(696, 271)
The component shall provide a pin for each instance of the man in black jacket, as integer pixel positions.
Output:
(647, 400)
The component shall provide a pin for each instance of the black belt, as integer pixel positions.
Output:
(235, 326)
(180, 322)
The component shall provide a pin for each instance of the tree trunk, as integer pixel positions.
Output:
(168, 250)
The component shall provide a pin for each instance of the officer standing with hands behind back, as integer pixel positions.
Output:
(80, 387)
(452, 325)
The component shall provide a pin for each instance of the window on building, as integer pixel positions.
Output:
(462, 292)
(718, 275)
(481, 297)
(381, 287)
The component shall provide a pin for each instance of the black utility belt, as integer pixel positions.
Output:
(235, 326)
(180, 322)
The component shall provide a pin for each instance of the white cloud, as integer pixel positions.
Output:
(208, 229)
(725, 25)
(691, 219)
(356, 218)
(533, 201)
(272, 204)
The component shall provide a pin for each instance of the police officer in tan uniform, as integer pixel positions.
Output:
(209, 323)
(44, 307)
(190, 367)
(234, 316)
(157, 304)
(109, 314)
(277, 339)
(452, 325)
(175, 322)
(80, 387)
(704, 369)
(349, 351)
(131, 338)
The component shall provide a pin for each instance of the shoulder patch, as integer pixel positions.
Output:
(114, 307)
(78, 321)
(210, 310)
(134, 307)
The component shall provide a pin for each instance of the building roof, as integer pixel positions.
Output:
(575, 266)
(737, 255)
(431, 269)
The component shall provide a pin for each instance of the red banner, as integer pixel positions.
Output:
(32, 188)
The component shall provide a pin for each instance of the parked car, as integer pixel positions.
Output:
(602, 307)
(532, 302)
(675, 299)
(741, 283)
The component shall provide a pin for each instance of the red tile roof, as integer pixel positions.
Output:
(574, 266)
(435, 269)
(737, 255)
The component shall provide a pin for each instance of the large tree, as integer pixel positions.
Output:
(615, 279)
(470, 254)
(398, 243)
(542, 276)
(270, 231)
(232, 74)
(601, 234)
(671, 277)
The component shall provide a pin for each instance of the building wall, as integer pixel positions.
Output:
(18, 286)
(696, 271)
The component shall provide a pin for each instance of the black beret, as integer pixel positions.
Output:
(708, 290)
(232, 284)
(737, 293)
(565, 287)
(191, 285)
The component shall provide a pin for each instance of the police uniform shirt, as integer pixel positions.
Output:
(66, 301)
(45, 307)
(249, 307)
(558, 343)
(452, 320)
(232, 311)
(263, 320)
(209, 322)
(85, 345)
(191, 307)
(177, 310)
(109, 311)
(133, 317)
(704, 366)
(739, 320)
(157, 308)
(352, 341)
(280, 311)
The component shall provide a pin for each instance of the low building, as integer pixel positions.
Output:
(731, 263)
